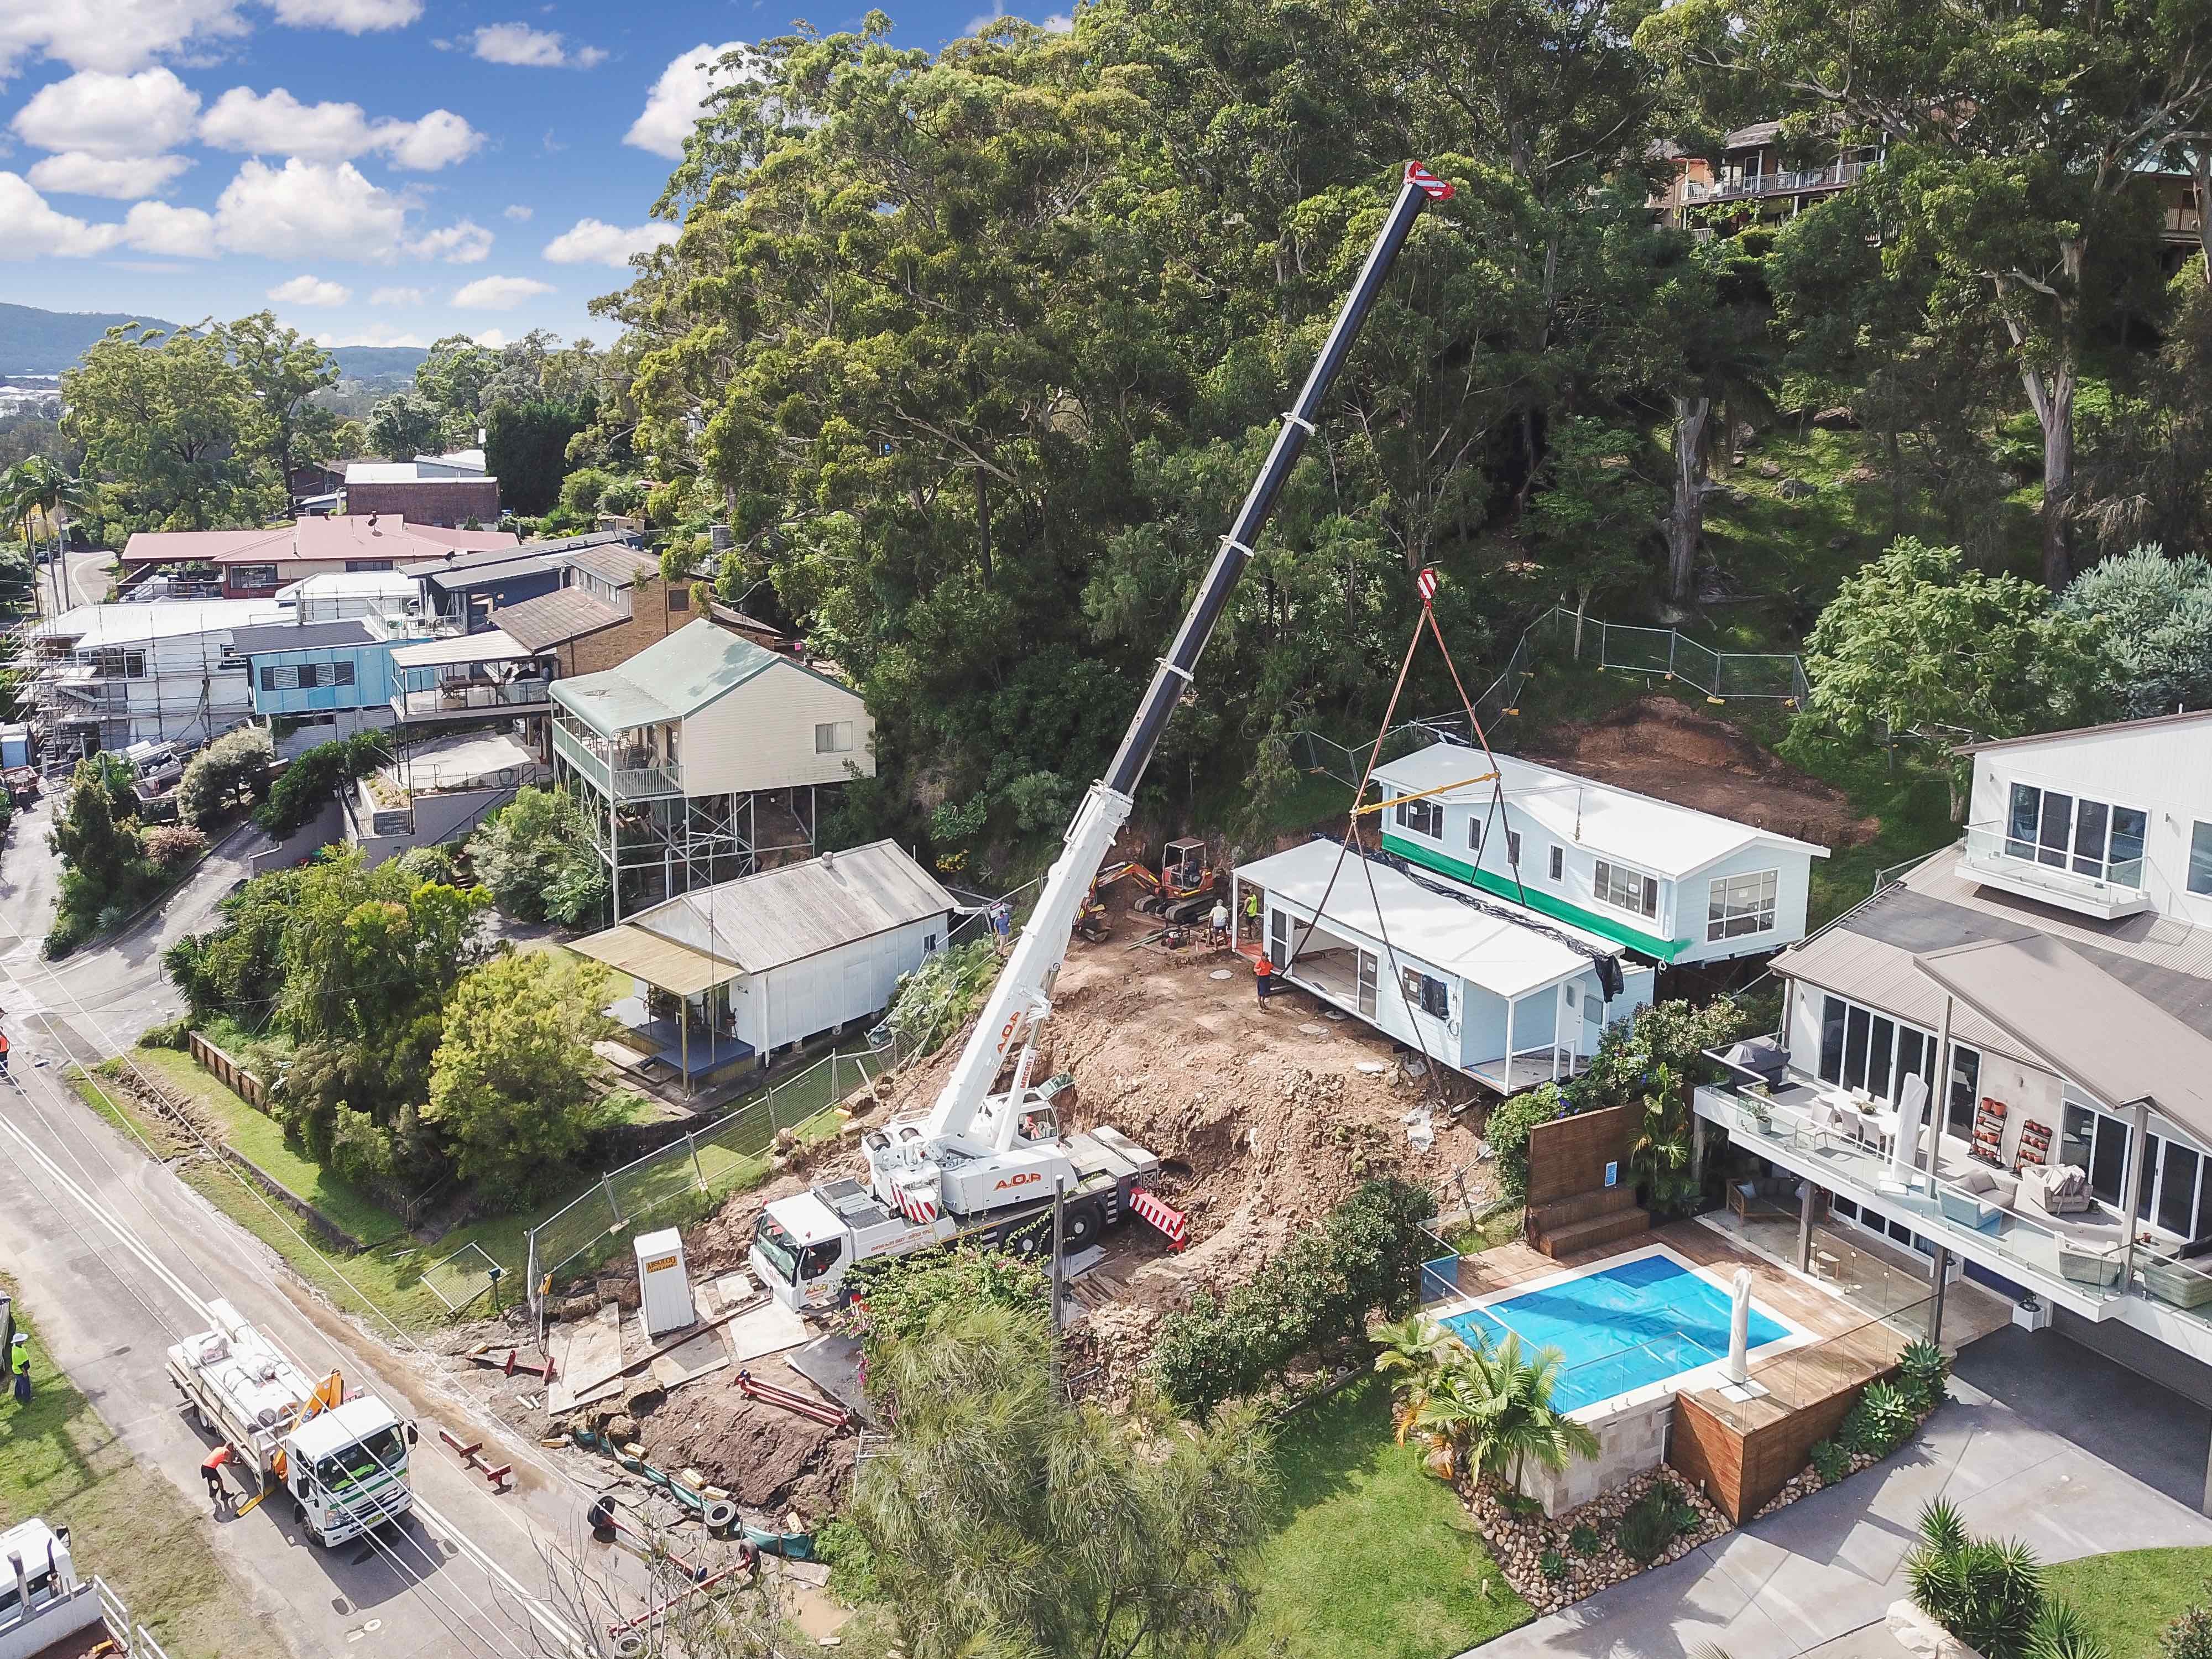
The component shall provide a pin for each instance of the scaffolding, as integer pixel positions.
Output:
(100, 683)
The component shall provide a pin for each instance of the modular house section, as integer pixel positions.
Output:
(1670, 883)
(1508, 996)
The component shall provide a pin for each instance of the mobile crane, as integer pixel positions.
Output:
(988, 1163)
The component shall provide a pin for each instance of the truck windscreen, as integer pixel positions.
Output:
(779, 1248)
(350, 1464)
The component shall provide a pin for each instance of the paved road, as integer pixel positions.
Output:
(1833, 1563)
(108, 1315)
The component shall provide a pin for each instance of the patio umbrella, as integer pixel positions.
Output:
(1739, 1363)
(1905, 1155)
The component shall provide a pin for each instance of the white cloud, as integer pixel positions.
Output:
(180, 233)
(525, 48)
(593, 241)
(397, 297)
(464, 242)
(673, 107)
(497, 292)
(424, 146)
(109, 115)
(311, 291)
(1058, 23)
(492, 338)
(518, 213)
(308, 208)
(277, 124)
(121, 179)
(112, 34)
(353, 16)
(29, 228)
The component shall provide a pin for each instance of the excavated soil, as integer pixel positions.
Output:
(1659, 747)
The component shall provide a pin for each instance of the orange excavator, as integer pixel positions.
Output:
(1181, 890)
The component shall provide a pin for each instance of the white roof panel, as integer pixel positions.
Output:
(492, 645)
(799, 910)
(92, 625)
(1504, 947)
(1655, 836)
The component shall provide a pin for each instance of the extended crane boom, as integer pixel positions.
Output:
(968, 1141)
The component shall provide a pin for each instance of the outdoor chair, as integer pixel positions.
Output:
(2170, 1281)
(1968, 1211)
(2098, 1267)
(2055, 1188)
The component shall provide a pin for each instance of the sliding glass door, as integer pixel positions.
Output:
(1862, 1049)
(2089, 837)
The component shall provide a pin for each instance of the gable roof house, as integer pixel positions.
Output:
(702, 754)
(2043, 989)
(253, 564)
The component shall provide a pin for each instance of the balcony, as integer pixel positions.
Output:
(457, 699)
(1801, 182)
(618, 770)
(2011, 865)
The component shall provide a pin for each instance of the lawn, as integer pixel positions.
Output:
(1370, 1555)
(2129, 1598)
(59, 1462)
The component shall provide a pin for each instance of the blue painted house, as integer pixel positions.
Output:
(321, 680)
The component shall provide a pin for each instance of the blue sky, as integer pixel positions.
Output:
(376, 172)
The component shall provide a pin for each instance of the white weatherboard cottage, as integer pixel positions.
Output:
(1468, 979)
(1672, 883)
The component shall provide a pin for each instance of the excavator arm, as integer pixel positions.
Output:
(1022, 996)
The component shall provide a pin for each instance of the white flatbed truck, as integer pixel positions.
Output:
(341, 1462)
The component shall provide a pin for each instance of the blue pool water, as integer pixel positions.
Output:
(1619, 1328)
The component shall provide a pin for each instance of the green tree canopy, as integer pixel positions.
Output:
(1062, 1533)
(172, 424)
(231, 771)
(283, 369)
(511, 1088)
(534, 854)
(403, 425)
(2155, 618)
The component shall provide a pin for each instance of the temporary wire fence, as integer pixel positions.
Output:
(1625, 647)
(686, 1177)
(462, 1277)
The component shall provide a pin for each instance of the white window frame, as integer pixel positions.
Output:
(1727, 908)
(1429, 814)
(1646, 904)
(1892, 1076)
(833, 737)
(1557, 867)
(2083, 846)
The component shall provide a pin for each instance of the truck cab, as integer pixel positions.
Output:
(805, 1246)
(345, 1470)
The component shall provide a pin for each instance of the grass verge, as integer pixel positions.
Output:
(59, 1462)
(1370, 1555)
(2130, 1597)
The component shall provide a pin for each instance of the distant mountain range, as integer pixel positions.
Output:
(34, 342)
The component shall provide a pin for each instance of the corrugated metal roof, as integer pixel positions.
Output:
(297, 636)
(660, 963)
(2085, 730)
(618, 562)
(1885, 977)
(552, 618)
(93, 625)
(1654, 835)
(670, 678)
(1487, 946)
(491, 645)
(799, 910)
(159, 546)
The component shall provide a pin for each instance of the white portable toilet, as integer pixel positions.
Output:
(663, 1283)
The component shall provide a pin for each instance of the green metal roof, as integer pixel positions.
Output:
(666, 681)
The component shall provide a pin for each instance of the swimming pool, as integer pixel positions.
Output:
(1621, 1326)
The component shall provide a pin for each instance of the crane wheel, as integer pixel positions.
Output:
(1024, 1238)
(1080, 1227)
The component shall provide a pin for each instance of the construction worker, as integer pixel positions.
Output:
(1252, 912)
(1263, 977)
(211, 1472)
(19, 1367)
(1217, 924)
(4, 1054)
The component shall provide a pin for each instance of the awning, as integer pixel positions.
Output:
(2086, 1024)
(660, 963)
(491, 646)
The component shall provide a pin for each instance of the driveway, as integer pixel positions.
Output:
(1833, 1563)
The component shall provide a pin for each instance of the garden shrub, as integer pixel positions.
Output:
(1584, 1541)
(1889, 1416)
(1365, 1259)
(172, 846)
(1830, 1461)
(1653, 1522)
(1924, 1369)
(1507, 1132)
(316, 775)
(1553, 1565)
(2190, 1636)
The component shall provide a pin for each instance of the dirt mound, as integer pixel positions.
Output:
(766, 1458)
(1662, 748)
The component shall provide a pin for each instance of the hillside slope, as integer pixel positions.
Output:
(35, 342)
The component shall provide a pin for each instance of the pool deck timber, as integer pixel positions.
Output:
(1852, 1343)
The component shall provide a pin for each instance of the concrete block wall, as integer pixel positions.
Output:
(1630, 1441)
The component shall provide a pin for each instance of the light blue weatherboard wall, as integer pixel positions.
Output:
(373, 679)
(1619, 1328)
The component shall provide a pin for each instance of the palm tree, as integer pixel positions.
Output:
(1516, 1423)
(38, 489)
(1988, 1594)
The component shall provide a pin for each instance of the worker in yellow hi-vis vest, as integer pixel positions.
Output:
(19, 1367)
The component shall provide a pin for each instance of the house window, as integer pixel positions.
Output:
(1862, 1049)
(1430, 996)
(341, 673)
(1558, 862)
(368, 564)
(285, 678)
(2176, 1176)
(1421, 818)
(1627, 889)
(928, 943)
(1965, 1090)
(1474, 834)
(1513, 848)
(679, 597)
(1367, 976)
(1741, 905)
(833, 738)
(2200, 859)
(2089, 837)
(268, 679)
(253, 575)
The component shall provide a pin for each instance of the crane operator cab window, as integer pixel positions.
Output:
(1038, 1123)
(778, 1248)
(365, 1459)
(816, 1259)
